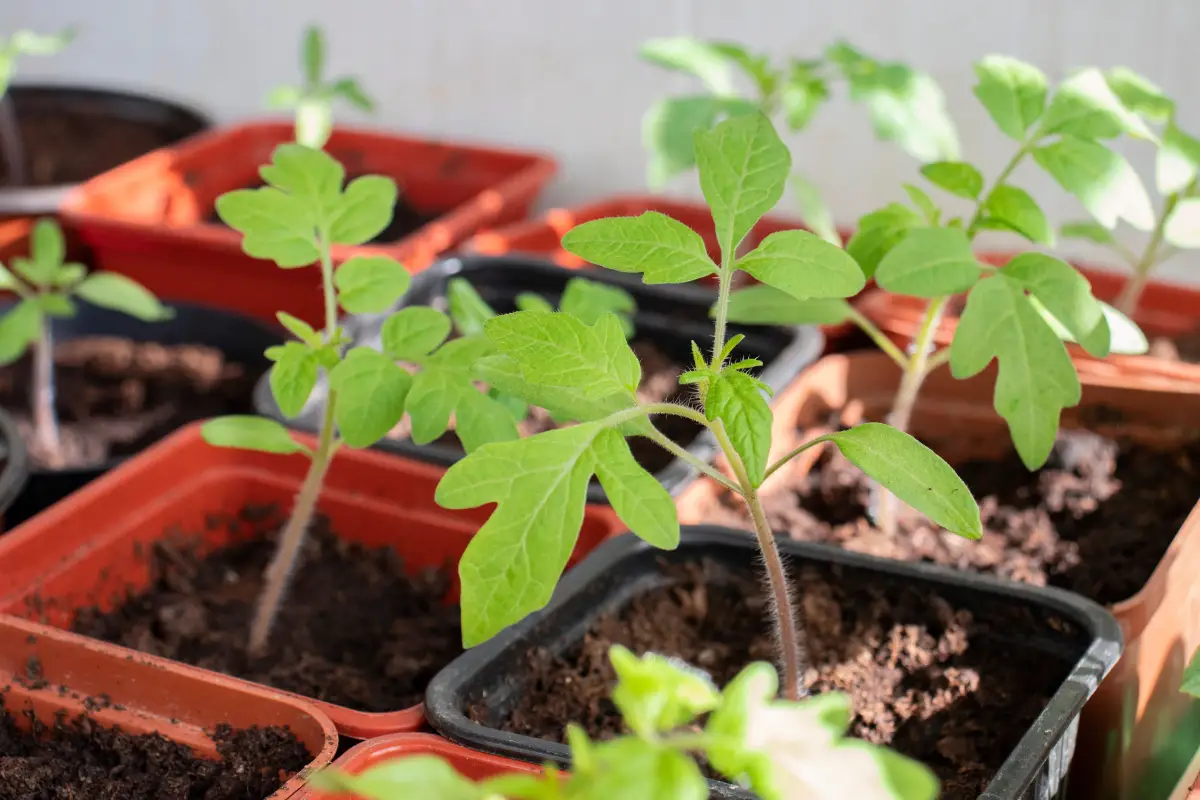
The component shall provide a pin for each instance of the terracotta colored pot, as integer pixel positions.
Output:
(1164, 310)
(543, 237)
(1139, 703)
(152, 214)
(147, 694)
(85, 550)
(474, 765)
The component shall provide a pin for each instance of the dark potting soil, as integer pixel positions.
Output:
(71, 147)
(82, 760)
(354, 630)
(406, 218)
(1096, 519)
(941, 684)
(114, 396)
(660, 382)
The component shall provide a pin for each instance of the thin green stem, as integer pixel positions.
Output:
(880, 339)
(726, 281)
(679, 452)
(1025, 149)
(1127, 300)
(936, 360)
(828, 437)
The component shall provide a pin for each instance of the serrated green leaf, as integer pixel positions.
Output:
(424, 776)
(468, 309)
(1102, 180)
(293, 377)
(929, 262)
(364, 211)
(445, 386)
(1036, 378)
(1087, 231)
(567, 403)
(110, 290)
(956, 177)
(531, 301)
(1139, 95)
(19, 328)
(308, 174)
(630, 769)
(1013, 92)
(1085, 107)
(662, 249)
(274, 225)
(370, 284)
(250, 433)
(371, 391)
(312, 56)
(412, 333)
(588, 301)
(1191, 676)
(669, 124)
(814, 211)
(1178, 160)
(656, 695)
(923, 202)
(735, 399)
(638, 499)
(743, 171)
(1017, 211)
(766, 305)
(482, 419)
(880, 231)
(1067, 295)
(804, 265)
(1183, 226)
(47, 247)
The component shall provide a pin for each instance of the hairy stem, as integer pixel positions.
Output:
(1127, 300)
(11, 145)
(45, 421)
(679, 452)
(787, 636)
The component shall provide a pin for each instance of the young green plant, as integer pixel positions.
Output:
(584, 299)
(21, 43)
(906, 106)
(1017, 314)
(1176, 223)
(313, 99)
(47, 286)
(589, 374)
(295, 220)
(779, 749)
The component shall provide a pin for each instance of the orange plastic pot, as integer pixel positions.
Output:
(373, 753)
(146, 695)
(87, 550)
(1130, 720)
(543, 237)
(1164, 310)
(150, 215)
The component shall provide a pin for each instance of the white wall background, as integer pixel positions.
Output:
(563, 75)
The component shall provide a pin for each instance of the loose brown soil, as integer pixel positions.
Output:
(115, 397)
(355, 630)
(80, 759)
(660, 382)
(953, 688)
(1096, 519)
(71, 147)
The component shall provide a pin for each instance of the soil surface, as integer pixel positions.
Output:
(660, 382)
(355, 629)
(81, 760)
(939, 683)
(114, 396)
(1096, 519)
(406, 218)
(72, 147)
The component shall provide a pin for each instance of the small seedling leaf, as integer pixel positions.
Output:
(1183, 226)
(1139, 95)
(588, 301)
(47, 247)
(880, 231)
(299, 328)
(1017, 211)
(1084, 106)
(1178, 160)
(1101, 179)
(662, 249)
(956, 177)
(1013, 92)
(274, 225)
(308, 174)
(468, 309)
(736, 400)
(19, 328)
(370, 284)
(414, 332)
(804, 265)
(1067, 295)
(293, 377)
(667, 129)
(814, 211)
(1087, 231)
(929, 262)
(110, 290)
(371, 390)
(766, 305)
(251, 433)
(364, 211)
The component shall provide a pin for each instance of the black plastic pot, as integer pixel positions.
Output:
(14, 472)
(241, 339)
(625, 566)
(82, 107)
(669, 316)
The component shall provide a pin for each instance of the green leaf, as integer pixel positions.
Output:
(1013, 92)
(531, 301)
(19, 328)
(364, 211)
(906, 778)
(283, 97)
(423, 776)
(1017, 211)
(31, 43)
(638, 499)
(312, 56)
(1087, 231)
(1183, 226)
(668, 127)
(1101, 179)
(370, 284)
(656, 695)
(1127, 337)
(55, 305)
(814, 211)
(632, 769)
(567, 403)
(766, 305)
(929, 262)
(907, 107)
(802, 95)
(371, 391)
(1067, 295)
(736, 399)
(69, 274)
(1191, 676)
(445, 386)
(588, 301)
(8, 281)
(743, 171)
(468, 309)
(293, 377)
(880, 231)
(354, 94)
(1139, 95)
(299, 328)
(924, 203)
(663, 249)
(274, 225)
(804, 265)
(1178, 160)
(314, 121)
(686, 54)
(47, 247)
(412, 333)
(251, 433)
(110, 290)
(308, 174)
(1085, 107)
(1036, 378)
(914, 473)
(956, 177)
